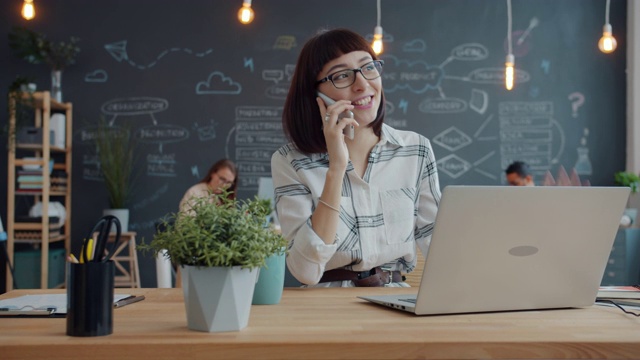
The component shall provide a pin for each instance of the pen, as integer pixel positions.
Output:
(128, 300)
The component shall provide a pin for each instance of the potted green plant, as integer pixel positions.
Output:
(20, 100)
(631, 180)
(220, 244)
(36, 49)
(116, 151)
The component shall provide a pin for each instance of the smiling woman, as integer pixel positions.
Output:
(349, 219)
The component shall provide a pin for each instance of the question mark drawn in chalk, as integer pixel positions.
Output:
(577, 99)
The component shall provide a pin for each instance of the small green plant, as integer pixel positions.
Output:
(20, 107)
(627, 178)
(115, 147)
(218, 231)
(36, 48)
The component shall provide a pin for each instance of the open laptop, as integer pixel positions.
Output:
(500, 248)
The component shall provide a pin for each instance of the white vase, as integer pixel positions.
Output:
(123, 217)
(218, 299)
(56, 85)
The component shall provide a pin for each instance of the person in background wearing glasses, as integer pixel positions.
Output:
(221, 176)
(518, 173)
(353, 210)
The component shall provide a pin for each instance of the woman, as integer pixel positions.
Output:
(221, 176)
(352, 209)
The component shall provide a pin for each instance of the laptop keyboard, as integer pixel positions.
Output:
(412, 300)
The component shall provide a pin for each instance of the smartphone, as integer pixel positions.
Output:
(349, 130)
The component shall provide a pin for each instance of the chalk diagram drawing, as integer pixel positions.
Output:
(392, 118)
(206, 132)
(118, 50)
(526, 130)
(285, 42)
(97, 76)
(161, 164)
(256, 135)
(279, 90)
(218, 84)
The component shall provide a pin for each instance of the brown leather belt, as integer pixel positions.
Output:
(374, 277)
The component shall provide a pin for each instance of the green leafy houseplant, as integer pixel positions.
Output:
(219, 232)
(115, 148)
(627, 178)
(36, 48)
(20, 107)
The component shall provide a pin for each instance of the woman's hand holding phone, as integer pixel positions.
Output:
(333, 133)
(348, 130)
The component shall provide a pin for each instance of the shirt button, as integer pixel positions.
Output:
(370, 221)
(373, 154)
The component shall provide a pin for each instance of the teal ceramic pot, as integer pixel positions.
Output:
(270, 282)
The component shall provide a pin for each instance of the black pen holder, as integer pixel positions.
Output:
(90, 298)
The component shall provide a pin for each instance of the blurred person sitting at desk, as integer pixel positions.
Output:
(223, 175)
(518, 173)
(352, 209)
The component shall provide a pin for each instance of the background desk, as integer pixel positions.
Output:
(328, 324)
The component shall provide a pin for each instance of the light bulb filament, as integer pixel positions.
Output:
(509, 72)
(607, 43)
(246, 14)
(377, 45)
(28, 11)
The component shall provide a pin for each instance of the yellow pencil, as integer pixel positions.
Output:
(72, 259)
(90, 249)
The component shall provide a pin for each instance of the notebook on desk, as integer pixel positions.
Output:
(501, 248)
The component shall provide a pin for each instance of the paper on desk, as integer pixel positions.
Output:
(57, 301)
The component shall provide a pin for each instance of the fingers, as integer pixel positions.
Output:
(334, 110)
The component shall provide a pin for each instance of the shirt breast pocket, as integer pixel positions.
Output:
(398, 210)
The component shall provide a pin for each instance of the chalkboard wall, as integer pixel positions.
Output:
(195, 86)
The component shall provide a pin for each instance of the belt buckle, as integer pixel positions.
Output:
(390, 272)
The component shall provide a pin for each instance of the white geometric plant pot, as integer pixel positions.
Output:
(218, 299)
(123, 217)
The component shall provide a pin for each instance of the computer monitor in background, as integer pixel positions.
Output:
(266, 191)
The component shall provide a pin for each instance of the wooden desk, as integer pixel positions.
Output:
(328, 324)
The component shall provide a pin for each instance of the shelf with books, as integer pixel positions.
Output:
(39, 168)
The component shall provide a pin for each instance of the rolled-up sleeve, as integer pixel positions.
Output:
(308, 253)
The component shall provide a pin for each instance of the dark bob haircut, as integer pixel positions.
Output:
(301, 119)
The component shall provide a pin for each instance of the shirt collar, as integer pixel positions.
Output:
(388, 135)
(391, 136)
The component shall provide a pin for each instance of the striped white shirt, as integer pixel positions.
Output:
(382, 215)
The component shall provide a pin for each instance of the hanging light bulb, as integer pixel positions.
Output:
(28, 11)
(376, 45)
(607, 43)
(377, 40)
(246, 14)
(509, 72)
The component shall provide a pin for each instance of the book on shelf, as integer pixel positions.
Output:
(619, 292)
(53, 220)
(34, 235)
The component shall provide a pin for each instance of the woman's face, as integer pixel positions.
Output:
(364, 94)
(221, 179)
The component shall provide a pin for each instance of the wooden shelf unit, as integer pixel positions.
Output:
(43, 106)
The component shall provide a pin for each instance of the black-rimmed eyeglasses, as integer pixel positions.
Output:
(345, 78)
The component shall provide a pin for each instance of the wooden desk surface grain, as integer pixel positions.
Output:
(328, 324)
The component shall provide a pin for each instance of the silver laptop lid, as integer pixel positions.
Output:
(498, 248)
